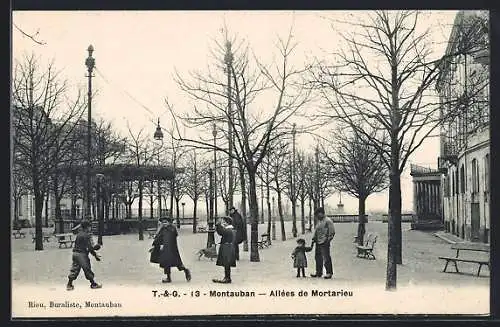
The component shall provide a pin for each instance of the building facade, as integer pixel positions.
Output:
(464, 161)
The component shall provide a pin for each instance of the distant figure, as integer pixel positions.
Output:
(299, 257)
(80, 257)
(165, 244)
(240, 228)
(323, 236)
(226, 256)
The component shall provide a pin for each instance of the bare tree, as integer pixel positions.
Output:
(253, 131)
(43, 119)
(384, 78)
(195, 174)
(277, 163)
(302, 187)
(140, 152)
(355, 168)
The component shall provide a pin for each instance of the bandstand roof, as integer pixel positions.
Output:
(418, 171)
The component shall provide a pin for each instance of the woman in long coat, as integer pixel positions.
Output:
(166, 242)
(227, 254)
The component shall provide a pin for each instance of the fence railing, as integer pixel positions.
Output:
(405, 218)
(342, 218)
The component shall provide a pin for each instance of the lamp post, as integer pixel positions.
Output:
(228, 59)
(183, 204)
(90, 63)
(294, 200)
(100, 211)
(211, 237)
(214, 133)
(158, 136)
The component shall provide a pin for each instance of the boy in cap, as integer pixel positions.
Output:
(80, 258)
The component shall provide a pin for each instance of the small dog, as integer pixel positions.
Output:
(210, 253)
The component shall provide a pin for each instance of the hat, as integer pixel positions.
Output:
(166, 219)
(319, 210)
(227, 219)
(82, 224)
(301, 240)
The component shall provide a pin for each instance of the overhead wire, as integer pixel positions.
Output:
(127, 94)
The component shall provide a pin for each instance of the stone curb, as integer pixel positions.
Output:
(445, 238)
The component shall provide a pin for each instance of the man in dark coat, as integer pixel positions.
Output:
(226, 256)
(323, 236)
(169, 256)
(240, 228)
(80, 257)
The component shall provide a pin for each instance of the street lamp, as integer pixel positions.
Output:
(214, 133)
(90, 63)
(158, 136)
(100, 208)
(228, 59)
(211, 236)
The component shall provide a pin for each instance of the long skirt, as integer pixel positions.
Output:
(227, 255)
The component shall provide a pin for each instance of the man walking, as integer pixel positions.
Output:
(240, 228)
(323, 236)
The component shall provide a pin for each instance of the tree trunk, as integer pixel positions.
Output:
(46, 210)
(302, 215)
(243, 203)
(38, 215)
(141, 233)
(254, 216)
(178, 221)
(310, 214)
(73, 197)
(269, 213)
(195, 205)
(16, 210)
(394, 216)
(58, 214)
(294, 216)
(361, 219)
(151, 202)
(280, 212)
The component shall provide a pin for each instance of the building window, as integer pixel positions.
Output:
(475, 176)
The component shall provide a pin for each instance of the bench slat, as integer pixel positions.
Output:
(465, 260)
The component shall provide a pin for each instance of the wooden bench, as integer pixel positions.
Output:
(477, 247)
(151, 232)
(265, 241)
(18, 234)
(366, 250)
(66, 239)
(45, 237)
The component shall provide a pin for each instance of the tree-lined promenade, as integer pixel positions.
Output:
(375, 97)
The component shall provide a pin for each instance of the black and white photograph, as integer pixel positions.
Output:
(176, 163)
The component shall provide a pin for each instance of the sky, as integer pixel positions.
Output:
(137, 53)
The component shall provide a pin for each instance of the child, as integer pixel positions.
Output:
(80, 258)
(299, 257)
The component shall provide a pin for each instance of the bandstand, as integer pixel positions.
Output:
(427, 205)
